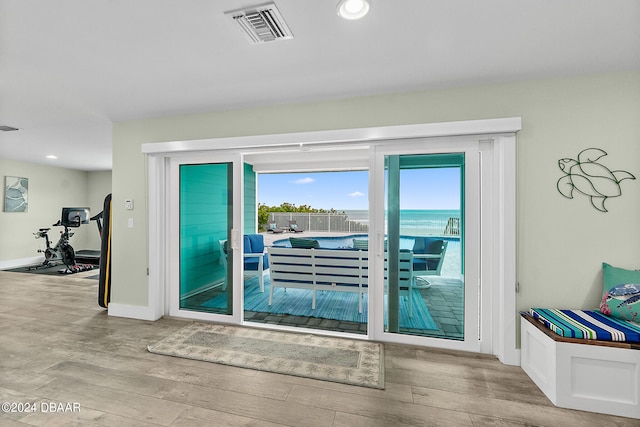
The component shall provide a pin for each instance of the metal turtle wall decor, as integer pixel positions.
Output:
(585, 175)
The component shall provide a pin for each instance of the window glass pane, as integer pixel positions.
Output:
(205, 221)
(327, 211)
(424, 286)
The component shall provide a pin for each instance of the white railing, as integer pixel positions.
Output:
(318, 222)
(422, 223)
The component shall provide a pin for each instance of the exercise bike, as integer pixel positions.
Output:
(63, 251)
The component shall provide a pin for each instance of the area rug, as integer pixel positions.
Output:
(329, 305)
(339, 360)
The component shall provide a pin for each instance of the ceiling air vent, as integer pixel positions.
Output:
(261, 24)
(7, 128)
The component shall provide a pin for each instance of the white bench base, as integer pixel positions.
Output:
(582, 376)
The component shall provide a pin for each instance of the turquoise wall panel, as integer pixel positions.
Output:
(204, 195)
(250, 200)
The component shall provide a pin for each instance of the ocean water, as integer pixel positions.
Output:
(414, 222)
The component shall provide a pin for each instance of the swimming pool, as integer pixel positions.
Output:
(341, 242)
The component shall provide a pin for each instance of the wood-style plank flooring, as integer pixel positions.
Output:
(57, 346)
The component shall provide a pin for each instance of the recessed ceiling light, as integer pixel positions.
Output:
(51, 156)
(352, 9)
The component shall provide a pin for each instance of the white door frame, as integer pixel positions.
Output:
(498, 147)
(472, 280)
(172, 226)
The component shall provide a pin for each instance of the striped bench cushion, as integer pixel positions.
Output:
(587, 324)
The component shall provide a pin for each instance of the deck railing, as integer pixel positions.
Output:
(410, 223)
(339, 223)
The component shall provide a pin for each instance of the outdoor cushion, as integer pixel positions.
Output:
(426, 245)
(254, 244)
(587, 324)
(361, 244)
(257, 243)
(621, 293)
(247, 245)
(303, 243)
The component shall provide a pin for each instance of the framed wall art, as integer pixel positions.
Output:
(16, 194)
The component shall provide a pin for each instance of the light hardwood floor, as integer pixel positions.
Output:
(58, 346)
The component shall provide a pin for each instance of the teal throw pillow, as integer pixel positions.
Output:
(303, 243)
(361, 244)
(621, 293)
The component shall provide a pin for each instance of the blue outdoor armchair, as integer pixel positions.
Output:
(428, 257)
(256, 260)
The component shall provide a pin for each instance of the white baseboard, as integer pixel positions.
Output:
(21, 262)
(133, 311)
(512, 357)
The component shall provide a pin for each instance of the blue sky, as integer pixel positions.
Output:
(420, 189)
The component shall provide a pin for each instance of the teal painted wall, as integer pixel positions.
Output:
(204, 212)
(204, 191)
(250, 202)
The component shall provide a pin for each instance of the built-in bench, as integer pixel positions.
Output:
(329, 270)
(588, 374)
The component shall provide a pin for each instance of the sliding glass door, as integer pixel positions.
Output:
(206, 216)
(427, 238)
(207, 230)
(423, 244)
(484, 312)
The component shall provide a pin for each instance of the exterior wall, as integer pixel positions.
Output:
(203, 223)
(561, 243)
(250, 202)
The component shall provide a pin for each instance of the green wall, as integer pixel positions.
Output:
(561, 243)
(50, 188)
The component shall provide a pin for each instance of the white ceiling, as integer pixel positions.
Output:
(69, 68)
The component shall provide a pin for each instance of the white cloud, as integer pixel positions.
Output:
(355, 194)
(303, 181)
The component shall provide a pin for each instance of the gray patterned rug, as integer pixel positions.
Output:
(324, 358)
